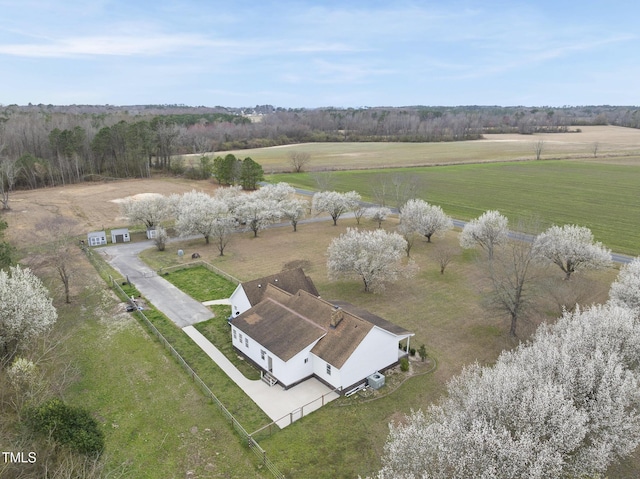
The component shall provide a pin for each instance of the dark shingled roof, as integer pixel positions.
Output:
(291, 281)
(286, 323)
(372, 318)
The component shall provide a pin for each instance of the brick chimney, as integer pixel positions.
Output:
(337, 315)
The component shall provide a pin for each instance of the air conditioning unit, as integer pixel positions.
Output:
(376, 380)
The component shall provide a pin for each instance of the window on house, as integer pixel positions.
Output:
(240, 337)
(306, 360)
(234, 334)
(329, 369)
(263, 353)
(246, 342)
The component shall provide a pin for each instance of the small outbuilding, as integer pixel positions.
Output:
(96, 238)
(120, 235)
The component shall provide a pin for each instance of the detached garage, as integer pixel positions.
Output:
(120, 235)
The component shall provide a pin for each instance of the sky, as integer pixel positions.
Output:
(310, 54)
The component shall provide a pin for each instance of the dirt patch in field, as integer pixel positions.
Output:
(95, 206)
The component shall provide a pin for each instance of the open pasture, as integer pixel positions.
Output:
(601, 196)
(613, 144)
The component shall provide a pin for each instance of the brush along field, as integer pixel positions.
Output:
(614, 144)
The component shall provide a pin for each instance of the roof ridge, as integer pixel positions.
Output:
(302, 316)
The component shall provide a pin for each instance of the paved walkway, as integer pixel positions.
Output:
(282, 406)
(226, 301)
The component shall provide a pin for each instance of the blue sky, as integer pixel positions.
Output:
(320, 53)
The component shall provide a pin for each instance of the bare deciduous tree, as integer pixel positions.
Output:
(510, 272)
(324, 180)
(443, 255)
(8, 173)
(298, 160)
(538, 148)
(60, 249)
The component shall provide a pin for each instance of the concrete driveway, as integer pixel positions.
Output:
(176, 305)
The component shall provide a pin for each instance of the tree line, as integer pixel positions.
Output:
(45, 145)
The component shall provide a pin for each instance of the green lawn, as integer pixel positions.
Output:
(157, 423)
(604, 197)
(200, 283)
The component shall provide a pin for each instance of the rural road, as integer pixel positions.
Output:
(176, 305)
(616, 257)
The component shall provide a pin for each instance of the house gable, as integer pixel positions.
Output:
(291, 281)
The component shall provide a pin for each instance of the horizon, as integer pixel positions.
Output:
(320, 54)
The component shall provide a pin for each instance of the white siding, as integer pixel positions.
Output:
(320, 370)
(288, 372)
(239, 301)
(377, 350)
(296, 369)
(97, 238)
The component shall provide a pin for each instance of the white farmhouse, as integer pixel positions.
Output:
(292, 337)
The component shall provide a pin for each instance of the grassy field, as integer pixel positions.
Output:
(614, 144)
(157, 423)
(445, 311)
(601, 196)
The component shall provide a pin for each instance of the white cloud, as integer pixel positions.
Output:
(111, 45)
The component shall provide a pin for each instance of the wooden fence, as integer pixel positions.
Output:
(196, 263)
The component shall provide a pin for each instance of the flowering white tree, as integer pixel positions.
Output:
(377, 214)
(150, 210)
(564, 405)
(374, 256)
(278, 192)
(294, 209)
(571, 248)
(258, 213)
(26, 311)
(491, 229)
(421, 217)
(231, 196)
(197, 213)
(625, 290)
(334, 203)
